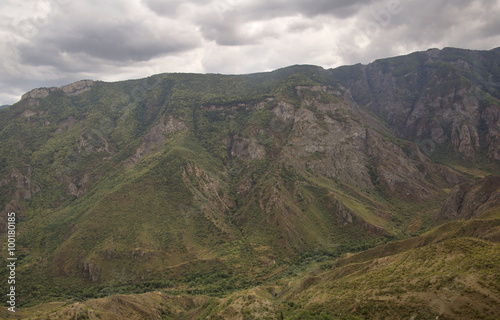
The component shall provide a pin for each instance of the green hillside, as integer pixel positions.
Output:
(450, 275)
(213, 186)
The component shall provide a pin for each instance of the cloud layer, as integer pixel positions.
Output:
(54, 42)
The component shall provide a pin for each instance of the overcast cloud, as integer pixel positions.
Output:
(55, 42)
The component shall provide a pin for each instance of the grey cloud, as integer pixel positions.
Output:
(123, 42)
(228, 36)
(426, 22)
(233, 33)
(419, 25)
(300, 26)
(168, 7)
(335, 8)
(491, 28)
(263, 9)
(163, 7)
(224, 23)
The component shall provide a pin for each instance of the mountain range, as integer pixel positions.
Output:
(360, 192)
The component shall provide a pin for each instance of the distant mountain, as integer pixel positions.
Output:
(213, 184)
(4, 106)
(445, 100)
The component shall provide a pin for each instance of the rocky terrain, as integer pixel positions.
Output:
(233, 186)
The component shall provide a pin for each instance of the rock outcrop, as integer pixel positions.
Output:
(332, 139)
(38, 93)
(244, 148)
(78, 87)
(471, 200)
(465, 139)
(155, 139)
(72, 89)
(443, 98)
(20, 187)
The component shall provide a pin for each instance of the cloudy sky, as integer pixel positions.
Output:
(55, 42)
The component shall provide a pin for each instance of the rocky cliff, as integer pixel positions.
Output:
(472, 200)
(445, 100)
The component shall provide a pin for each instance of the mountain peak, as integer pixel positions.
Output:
(69, 89)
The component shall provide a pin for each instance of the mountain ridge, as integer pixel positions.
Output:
(234, 178)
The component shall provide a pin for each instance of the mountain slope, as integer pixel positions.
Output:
(450, 273)
(445, 100)
(182, 176)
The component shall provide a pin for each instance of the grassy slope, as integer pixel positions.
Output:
(450, 272)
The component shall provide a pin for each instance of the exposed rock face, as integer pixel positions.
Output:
(491, 116)
(244, 148)
(93, 141)
(244, 187)
(78, 87)
(70, 89)
(38, 93)
(155, 138)
(333, 148)
(433, 172)
(21, 188)
(24, 188)
(345, 215)
(28, 113)
(91, 271)
(397, 171)
(78, 187)
(471, 200)
(465, 139)
(335, 142)
(440, 98)
(209, 193)
(284, 112)
(66, 125)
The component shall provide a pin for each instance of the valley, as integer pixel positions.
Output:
(361, 192)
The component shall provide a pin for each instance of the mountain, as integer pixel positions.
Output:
(4, 106)
(222, 184)
(446, 100)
